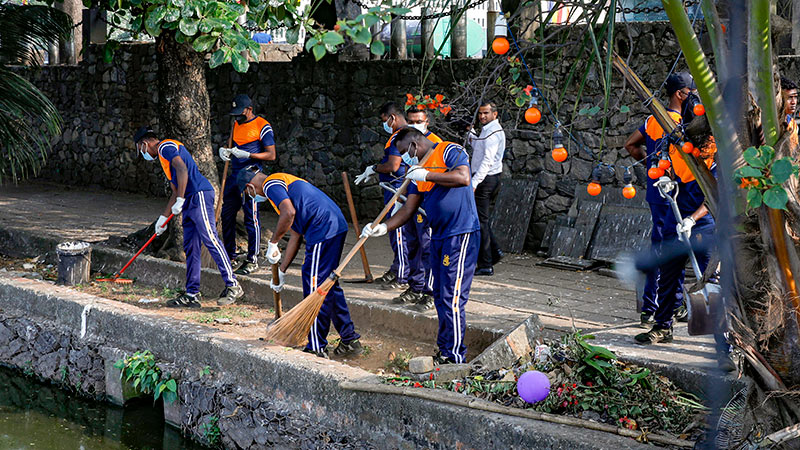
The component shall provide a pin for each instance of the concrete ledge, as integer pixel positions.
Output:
(298, 382)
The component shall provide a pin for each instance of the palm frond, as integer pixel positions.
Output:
(27, 30)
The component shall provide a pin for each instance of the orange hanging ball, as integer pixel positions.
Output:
(687, 147)
(629, 192)
(663, 164)
(696, 153)
(655, 173)
(699, 109)
(500, 45)
(594, 188)
(559, 154)
(533, 115)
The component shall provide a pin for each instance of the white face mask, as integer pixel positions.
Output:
(419, 126)
(408, 159)
(386, 127)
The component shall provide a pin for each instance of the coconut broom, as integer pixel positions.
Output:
(293, 327)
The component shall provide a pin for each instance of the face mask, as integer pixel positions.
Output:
(419, 126)
(256, 197)
(408, 159)
(241, 118)
(145, 154)
(386, 126)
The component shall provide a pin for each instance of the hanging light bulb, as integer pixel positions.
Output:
(687, 147)
(655, 173)
(699, 109)
(628, 191)
(594, 188)
(532, 114)
(559, 153)
(664, 163)
(500, 44)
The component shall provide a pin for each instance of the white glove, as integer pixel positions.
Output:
(225, 153)
(416, 173)
(278, 287)
(368, 172)
(686, 226)
(377, 230)
(240, 154)
(177, 207)
(161, 225)
(273, 253)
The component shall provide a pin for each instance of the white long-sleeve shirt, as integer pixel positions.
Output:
(487, 152)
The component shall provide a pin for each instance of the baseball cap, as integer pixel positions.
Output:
(244, 177)
(141, 133)
(678, 81)
(240, 102)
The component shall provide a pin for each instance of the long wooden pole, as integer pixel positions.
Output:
(218, 211)
(354, 217)
(276, 296)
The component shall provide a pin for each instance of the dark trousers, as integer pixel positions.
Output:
(485, 194)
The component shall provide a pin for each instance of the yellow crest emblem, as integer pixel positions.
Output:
(419, 218)
(446, 260)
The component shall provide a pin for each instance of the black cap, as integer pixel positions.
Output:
(244, 177)
(140, 133)
(678, 81)
(240, 102)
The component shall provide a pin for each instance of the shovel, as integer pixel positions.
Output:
(698, 303)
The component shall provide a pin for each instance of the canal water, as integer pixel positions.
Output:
(35, 415)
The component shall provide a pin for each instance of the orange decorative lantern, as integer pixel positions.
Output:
(663, 164)
(559, 154)
(594, 188)
(687, 147)
(699, 109)
(655, 173)
(629, 191)
(696, 153)
(500, 45)
(533, 115)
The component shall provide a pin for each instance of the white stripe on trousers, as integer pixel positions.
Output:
(401, 262)
(456, 300)
(258, 229)
(314, 340)
(212, 236)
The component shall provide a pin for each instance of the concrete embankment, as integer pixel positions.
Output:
(259, 396)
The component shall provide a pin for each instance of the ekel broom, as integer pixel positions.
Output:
(293, 327)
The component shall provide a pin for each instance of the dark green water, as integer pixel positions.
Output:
(34, 415)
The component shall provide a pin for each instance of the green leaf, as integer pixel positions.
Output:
(318, 51)
(515, 76)
(172, 385)
(311, 42)
(594, 110)
(776, 198)
(188, 26)
(177, 3)
(377, 47)
(332, 38)
(153, 21)
(293, 35)
(767, 154)
(170, 397)
(583, 112)
(751, 156)
(748, 172)
(519, 101)
(120, 364)
(370, 20)
(754, 198)
(363, 36)
(240, 63)
(499, 81)
(172, 15)
(781, 170)
(217, 58)
(624, 109)
(203, 43)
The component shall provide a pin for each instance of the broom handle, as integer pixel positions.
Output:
(276, 295)
(336, 274)
(152, 238)
(218, 211)
(354, 217)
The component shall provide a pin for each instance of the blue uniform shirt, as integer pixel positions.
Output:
(451, 211)
(168, 149)
(653, 141)
(317, 217)
(252, 136)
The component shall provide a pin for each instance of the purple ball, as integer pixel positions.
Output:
(533, 386)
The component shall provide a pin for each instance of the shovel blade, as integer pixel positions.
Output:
(704, 320)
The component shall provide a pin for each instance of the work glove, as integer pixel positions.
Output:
(686, 226)
(273, 253)
(240, 154)
(368, 172)
(416, 173)
(177, 207)
(377, 230)
(161, 225)
(278, 287)
(225, 153)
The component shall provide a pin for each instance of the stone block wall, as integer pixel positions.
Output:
(324, 116)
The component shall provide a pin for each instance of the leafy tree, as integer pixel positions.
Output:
(28, 120)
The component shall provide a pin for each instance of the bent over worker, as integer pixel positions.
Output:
(192, 196)
(443, 188)
(306, 212)
(255, 144)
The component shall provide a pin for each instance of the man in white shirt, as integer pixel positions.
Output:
(487, 166)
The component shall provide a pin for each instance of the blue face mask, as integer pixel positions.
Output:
(408, 159)
(145, 155)
(386, 126)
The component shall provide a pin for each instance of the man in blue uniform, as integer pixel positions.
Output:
(193, 196)
(255, 144)
(443, 188)
(306, 212)
(651, 135)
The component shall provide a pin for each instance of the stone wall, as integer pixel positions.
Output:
(323, 114)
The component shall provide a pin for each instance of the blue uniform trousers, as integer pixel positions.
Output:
(417, 234)
(199, 227)
(232, 202)
(320, 260)
(658, 212)
(670, 282)
(453, 261)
